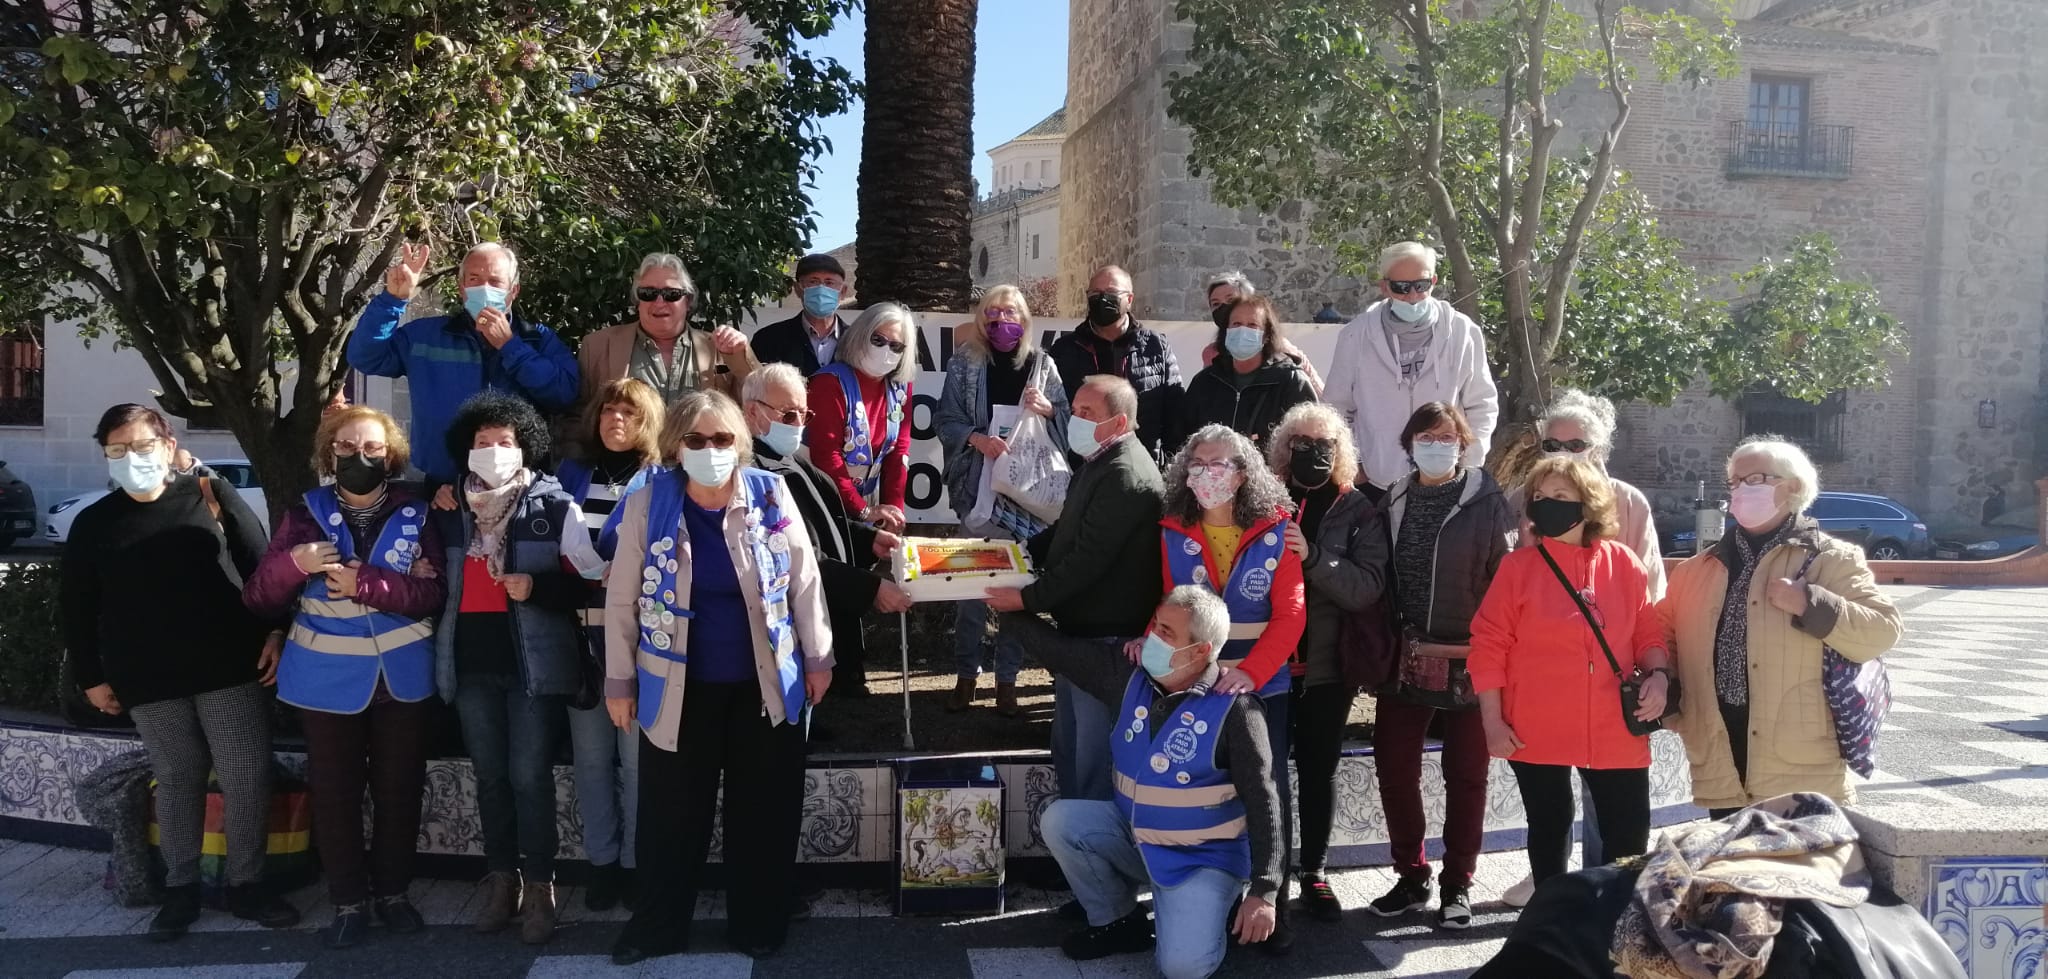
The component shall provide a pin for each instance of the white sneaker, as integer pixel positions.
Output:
(1518, 896)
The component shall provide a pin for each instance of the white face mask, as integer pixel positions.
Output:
(138, 473)
(1754, 507)
(710, 466)
(1081, 436)
(1436, 459)
(880, 361)
(495, 464)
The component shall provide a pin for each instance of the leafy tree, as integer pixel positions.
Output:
(1817, 333)
(221, 185)
(917, 154)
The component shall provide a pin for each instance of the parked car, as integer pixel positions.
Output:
(2005, 536)
(18, 517)
(238, 472)
(1886, 529)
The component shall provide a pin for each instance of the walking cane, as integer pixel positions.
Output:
(903, 627)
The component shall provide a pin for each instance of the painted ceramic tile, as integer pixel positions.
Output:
(951, 837)
(835, 806)
(1989, 911)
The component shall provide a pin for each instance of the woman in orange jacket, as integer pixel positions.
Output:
(1547, 695)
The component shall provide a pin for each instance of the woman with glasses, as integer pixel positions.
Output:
(355, 567)
(1225, 529)
(1549, 698)
(1449, 524)
(859, 432)
(996, 374)
(519, 563)
(717, 641)
(1256, 383)
(1748, 620)
(1341, 541)
(151, 604)
(657, 347)
(614, 457)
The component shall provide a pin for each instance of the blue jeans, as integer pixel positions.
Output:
(1095, 850)
(968, 631)
(607, 799)
(511, 741)
(1080, 742)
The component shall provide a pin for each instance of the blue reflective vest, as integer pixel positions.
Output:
(1183, 808)
(337, 647)
(575, 477)
(860, 443)
(1248, 593)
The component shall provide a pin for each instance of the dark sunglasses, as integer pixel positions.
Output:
(1409, 287)
(788, 416)
(695, 440)
(1575, 445)
(876, 340)
(1310, 445)
(649, 294)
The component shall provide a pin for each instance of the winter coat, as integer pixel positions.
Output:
(1098, 565)
(1365, 386)
(546, 530)
(1141, 357)
(1470, 547)
(964, 411)
(1347, 576)
(1251, 406)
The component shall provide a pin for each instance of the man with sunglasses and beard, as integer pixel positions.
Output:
(659, 347)
(1403, 352)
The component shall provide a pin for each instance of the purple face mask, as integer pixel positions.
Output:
(1004, 335)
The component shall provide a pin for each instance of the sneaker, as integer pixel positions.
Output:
(1130, 933)
(1518, 896)
(1280, 943)
(606, 881)
(255, 902)
(537, 913)
(351, 924)
(1409, 894)
(1319, 900)
(501, 901)
(398, 914)
(180, 909)
(1454, 912)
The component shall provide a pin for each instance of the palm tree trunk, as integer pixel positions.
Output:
(917, 154)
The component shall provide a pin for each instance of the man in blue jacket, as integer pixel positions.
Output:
(449, 358)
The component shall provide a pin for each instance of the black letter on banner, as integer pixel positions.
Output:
(924, 426)
(925, 483)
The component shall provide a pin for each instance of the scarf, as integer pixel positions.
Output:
(1731, 640)
(493, 509)
(362, 521)
(1709, 903)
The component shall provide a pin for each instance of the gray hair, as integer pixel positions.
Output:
(1402, 251)
(665, 261)
(1592, 412)
(1208, 617)
(1786, 460)
(762, 378)
(495, 247)
(872, 319)
(1261, 496)
(1235, 280)
(1117, 395)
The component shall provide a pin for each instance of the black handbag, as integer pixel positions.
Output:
(1631, 684)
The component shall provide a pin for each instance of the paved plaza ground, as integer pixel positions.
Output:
(1970, 729)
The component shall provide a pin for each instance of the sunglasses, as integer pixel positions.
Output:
(1574, 445)
(1409, 287)
(698, 440)
(649, 294)
(877, 340)
(788, 416)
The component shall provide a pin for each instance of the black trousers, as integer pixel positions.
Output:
(1736, 720)
(1621, 805)
(1319, 715)
(725, 737)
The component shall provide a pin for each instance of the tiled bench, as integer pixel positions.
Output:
(1978, 875)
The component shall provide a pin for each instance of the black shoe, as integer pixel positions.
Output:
(1319, 900)
(180, 909)
(1130, 933)
(627, 951)
(1072, 911)
(398, 914)
(1280, 944)
(1454, 912)
(351, 925)
(1409, 894)
(756, 950)
(602, 893)
(255, 902)
(629, 890)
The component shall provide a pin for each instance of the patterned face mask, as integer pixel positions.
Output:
(1213, 485)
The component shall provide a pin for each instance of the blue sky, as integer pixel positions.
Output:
(1020, 77)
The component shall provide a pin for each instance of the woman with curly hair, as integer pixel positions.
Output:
(519, 563)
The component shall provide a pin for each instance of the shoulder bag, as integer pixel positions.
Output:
(1859, 697)
(1632, 683)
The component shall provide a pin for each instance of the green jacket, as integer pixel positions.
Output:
(1098, 566)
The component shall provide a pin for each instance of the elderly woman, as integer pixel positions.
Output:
(1580, 426)
(1229, 287)
(1341, 539)
(1747, 621)
(1449, 523)
(518, 565)
(616, 455)
(1225, 525)
(356, 564)
(151, 604)
(1548, 696)
(1250, 389)
(996, 374)
(715, 595)
(859, 432)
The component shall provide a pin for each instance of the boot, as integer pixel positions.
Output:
(501, 901)
(963, 695)
(1006, 699)
(538, 926)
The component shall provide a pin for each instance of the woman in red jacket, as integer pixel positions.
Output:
(1547, 696)
(859, 433)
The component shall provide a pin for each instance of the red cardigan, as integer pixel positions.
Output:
(1275, 646)
(826, 438)
(1530, 642)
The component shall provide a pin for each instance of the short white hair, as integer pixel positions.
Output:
(1402, 251)
(667, 262)
(872, 319)
(1594, 413)
(1235, 280)
(777, 374)
(1786, 460)
(1208, 617)
(499, 248)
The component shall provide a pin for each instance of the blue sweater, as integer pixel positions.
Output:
(721, 637)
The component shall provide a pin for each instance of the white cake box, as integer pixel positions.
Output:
(935, 569)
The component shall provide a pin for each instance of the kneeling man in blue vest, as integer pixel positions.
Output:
(1195, 819)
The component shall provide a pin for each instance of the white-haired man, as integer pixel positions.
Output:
(1403, 352)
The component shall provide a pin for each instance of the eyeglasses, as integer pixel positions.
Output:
(788, 416)
(1213, 466)
(1428, 439)
(344, 447)
(1408, 287)
(1572, 445)
(1310, 445)
(116, 450)
(878, 340)
(649, 294)
(1754, 479)
(698, 440)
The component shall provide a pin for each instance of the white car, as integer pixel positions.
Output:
(238, 472)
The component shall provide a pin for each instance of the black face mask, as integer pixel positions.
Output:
(1311, 467)
(1221, 315)
(1105, 309)
(359, 475)
(1555, 518)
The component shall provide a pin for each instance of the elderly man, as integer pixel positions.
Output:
(1098, 571)
(1402, 353)
(810, 339)
(659, 347)
(1113, 342)
(775, 404)
(446, 359)
(1195, 820)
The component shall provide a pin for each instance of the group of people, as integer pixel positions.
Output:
(664, 544)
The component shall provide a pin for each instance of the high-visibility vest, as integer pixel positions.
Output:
(337, 647)
(1183, 808)
(1247, 592)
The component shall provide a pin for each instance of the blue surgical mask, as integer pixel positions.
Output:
(1408, 312)
(138, 473)
(1157, 657)
(1244, 342)
(783, 439)
(710, 465)
(476, 299)
(1436, 459)
(1081, 436)
(821, 301)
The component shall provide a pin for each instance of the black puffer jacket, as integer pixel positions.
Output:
(1139, 356)
(1346, 572)
(1251, 404)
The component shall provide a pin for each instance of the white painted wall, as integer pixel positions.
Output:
(1039, 219)
(1031, 164)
